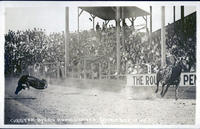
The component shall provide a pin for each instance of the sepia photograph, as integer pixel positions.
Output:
(100, 64)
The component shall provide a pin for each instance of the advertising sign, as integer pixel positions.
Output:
(187, 79)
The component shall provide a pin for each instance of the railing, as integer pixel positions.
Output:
(89, 75)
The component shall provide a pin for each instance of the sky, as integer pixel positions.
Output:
(52, 19)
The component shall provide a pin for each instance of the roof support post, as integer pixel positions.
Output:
(132, 22)
(78, 26)
(150, 24)
(174, 13)
(118, 38)
(93, 20)
(79, 14)
(182, 22)
(163, 41)
(146, 24)
(66, 40)
(123, 29)
(182, 12)
(78, 20)
(145, 18)
(106, 22)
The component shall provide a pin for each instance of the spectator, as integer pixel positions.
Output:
(97, 27)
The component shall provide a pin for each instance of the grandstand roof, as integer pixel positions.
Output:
(109, 13)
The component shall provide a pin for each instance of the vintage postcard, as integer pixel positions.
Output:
(100, 64)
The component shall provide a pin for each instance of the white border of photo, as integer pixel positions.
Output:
(4, 4)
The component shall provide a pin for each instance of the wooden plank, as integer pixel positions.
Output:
(66, 40)
(163, 46)
(118, 38)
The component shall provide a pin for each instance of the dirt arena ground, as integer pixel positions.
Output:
(83, 102)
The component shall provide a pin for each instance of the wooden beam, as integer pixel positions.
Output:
(78, 24)
(182, 23)
(146, 24)
(66, 40)
(182, 12)
(123, 29)
(106, 22)
(144, 18)
(93, 16)
(79, 14)
(118, 38)
(78, 32)
(93, 20)
(174, 13)
(150, 24)
(130, 20)
(163, 41)
(150, 19)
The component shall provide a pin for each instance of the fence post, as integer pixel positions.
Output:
(109, 71)
(72, 73)
(99, 70)
(58, 70)
(92, 72)
(126, 68)
(84, 69)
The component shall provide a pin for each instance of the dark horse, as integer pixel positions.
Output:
(170, 75)
(26, 81)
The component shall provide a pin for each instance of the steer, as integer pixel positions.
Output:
(170, 75)
(26, 81)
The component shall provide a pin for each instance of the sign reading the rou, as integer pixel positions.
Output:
(187, 79)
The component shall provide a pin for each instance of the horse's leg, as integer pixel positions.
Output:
(176, 91)
(165, 91)
(27, 85)
(163, 85)
(19, 88)
(157, 84)
(157, 87)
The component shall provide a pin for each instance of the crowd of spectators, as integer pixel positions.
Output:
(102, 41)
(137, 48)
(181, 40)
(27, 48)
(30, 47)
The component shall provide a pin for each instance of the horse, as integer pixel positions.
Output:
(26, 81)
(170, 75)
